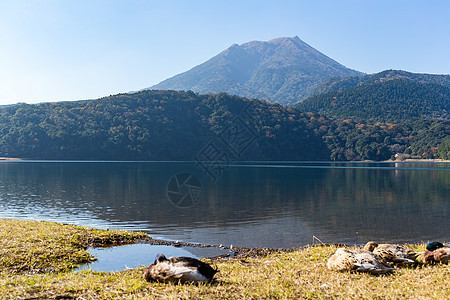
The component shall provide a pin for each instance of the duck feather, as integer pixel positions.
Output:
(393, 253)
(184, 269)
(358, 260)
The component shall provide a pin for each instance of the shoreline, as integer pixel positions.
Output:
(37, 259)
(408, 160)
(236, 252)
(423, 160)
(110, 238)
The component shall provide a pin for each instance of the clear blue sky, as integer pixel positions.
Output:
(54, 50)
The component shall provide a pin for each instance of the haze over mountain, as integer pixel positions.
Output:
(281, 70)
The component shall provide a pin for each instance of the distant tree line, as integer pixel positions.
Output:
(349, 139)
(391, 100)
(172, 125)
(151, 125)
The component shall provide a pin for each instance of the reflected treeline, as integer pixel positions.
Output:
(336, 204)
(403, 205)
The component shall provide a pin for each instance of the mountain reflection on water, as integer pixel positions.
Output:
(250, 204)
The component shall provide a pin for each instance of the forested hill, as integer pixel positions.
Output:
(342, 83)
(170, 125)
(157, 125)
(391, 100)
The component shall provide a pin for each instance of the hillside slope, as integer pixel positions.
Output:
(391, 100)
(340, 83)
(218, 129)
(157, 125)
(282, 70)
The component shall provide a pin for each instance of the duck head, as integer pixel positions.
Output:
(160, 257)
(431, 246)
(370, 246)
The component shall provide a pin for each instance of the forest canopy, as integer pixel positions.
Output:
(173, 125)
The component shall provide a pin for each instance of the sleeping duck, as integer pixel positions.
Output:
(393, 253)
(437, 252)
(183, 269)
(358, 260)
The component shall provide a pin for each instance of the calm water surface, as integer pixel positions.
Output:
(269, 204)
(125, 257)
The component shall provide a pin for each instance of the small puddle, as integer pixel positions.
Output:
(132, 256)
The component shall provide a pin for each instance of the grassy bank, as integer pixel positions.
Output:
(31, 247)
(40, 247)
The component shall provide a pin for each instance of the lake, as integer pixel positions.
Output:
(253, 204)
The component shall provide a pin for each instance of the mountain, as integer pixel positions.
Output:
(386, 99)
(340, 84)
(281, 70)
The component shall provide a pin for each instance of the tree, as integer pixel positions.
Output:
(444, 149)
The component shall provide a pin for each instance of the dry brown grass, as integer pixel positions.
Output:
(299, 274)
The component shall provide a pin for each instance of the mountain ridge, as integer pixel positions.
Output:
(280, 70)
(336, 84)
(383, 100)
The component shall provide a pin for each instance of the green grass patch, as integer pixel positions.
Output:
(36, 247)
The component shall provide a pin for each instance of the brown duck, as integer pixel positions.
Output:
(358, 260)
(393, 253)
(437, 252)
